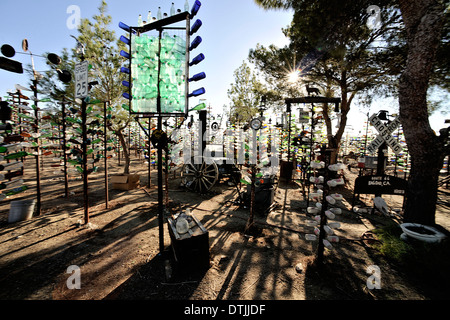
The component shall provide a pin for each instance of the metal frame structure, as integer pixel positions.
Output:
(159, 25)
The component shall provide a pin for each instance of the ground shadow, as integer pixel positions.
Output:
(162, 278)
(43, 270)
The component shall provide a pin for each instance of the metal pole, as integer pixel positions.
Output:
(252, 200)
(66, 183)
(85, 173)
(38, 169)
(160, 194)
(289, 145)
(19, 118)
(149, 155)
(160, 175)
(288, 109)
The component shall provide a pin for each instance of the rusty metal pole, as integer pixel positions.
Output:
(38, 169)
(160, 169)
(66, 183)
(149, 156)
(85, 173)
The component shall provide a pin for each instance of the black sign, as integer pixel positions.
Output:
(382, 184)
(10, 65)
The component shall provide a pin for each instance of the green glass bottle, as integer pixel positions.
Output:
(9, 147)
(16, 190)
(21, 115)
(14, 155)
(71, 161)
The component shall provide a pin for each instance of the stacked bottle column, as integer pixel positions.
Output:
(145, 70)
(12, 152)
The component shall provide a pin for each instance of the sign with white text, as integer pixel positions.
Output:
(385, 131)
(81, 79)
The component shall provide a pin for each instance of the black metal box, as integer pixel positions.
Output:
(191, 249)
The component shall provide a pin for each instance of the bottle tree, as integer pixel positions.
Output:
(102, 51)
(413, 54)
(101, 48)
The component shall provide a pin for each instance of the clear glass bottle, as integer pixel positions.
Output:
(11, 166)
(159, 14)
(149, 17)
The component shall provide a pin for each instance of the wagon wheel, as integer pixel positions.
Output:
(199, 177)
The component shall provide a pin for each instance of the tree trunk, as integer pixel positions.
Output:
(424, 22)
(126, 151)
(334, 141)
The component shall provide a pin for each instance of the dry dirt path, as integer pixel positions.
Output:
(118, 253)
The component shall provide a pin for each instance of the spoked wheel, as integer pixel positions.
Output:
(200, 177)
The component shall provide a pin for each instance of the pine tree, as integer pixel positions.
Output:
(245, 94)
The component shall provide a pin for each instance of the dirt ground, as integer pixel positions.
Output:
(119, 258)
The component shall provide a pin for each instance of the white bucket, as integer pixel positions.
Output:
(21, 210)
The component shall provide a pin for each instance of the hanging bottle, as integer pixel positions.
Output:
(186, 5)
(11, 184)
(140, 22)
(172, 9)
(11, 166)
(246, 180)
(327, 244)
(14, 155)
(13, 138)
(159, 14)
(149, 17)
(310, 237)
(16, 190)
(10, 175)
(25, 134)
(10, 147)
(5, 127)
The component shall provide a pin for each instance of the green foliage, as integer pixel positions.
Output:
(425, 263)
(391, 245)
(335, 37)
(274, 4)
(245, 94)
(440, 76)
(276, 65)
(411, 251)
(51, 83)
(102, 51)
(332, 47)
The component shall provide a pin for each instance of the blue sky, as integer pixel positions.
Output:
(230, 28)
